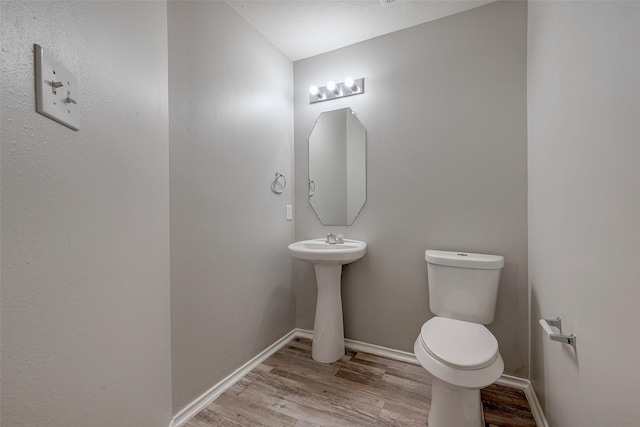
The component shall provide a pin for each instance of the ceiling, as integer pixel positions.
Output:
(304, 28)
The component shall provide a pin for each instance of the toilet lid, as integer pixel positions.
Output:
(460, 344)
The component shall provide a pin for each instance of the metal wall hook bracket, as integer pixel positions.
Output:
(565, 339)
(556, 323)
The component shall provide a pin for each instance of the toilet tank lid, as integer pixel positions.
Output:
(464, 259)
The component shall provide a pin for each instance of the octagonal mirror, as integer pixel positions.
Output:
(337, 167)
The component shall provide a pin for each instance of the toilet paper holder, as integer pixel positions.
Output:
(557, 323)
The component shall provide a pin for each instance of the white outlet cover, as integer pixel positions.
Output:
(56, 90)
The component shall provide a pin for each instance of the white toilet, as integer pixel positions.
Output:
(454, 347)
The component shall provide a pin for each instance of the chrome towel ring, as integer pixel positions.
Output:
(279, 183)
(312, 187)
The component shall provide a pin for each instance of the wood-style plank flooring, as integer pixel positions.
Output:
(360, 389)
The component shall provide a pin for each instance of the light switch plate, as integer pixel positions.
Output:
(56, 90)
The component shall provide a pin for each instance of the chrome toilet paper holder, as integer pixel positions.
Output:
(547, 324)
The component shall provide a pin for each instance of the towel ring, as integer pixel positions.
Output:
(312, 187)
(281, 180)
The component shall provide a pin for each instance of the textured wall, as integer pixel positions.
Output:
(231, 129)
(445, 113)
(584, 208)
(85, 220)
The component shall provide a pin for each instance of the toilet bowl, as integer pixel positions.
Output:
(462, 357)
(454, 346)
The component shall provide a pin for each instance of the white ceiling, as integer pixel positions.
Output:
(304, 28)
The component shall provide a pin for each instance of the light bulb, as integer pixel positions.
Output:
(313, 90)
(348, 82)
(331, 86)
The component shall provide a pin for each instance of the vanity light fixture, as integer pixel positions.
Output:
(315, 93)
(334, 90)
(331, 87)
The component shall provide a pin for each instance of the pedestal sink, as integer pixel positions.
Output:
(328, 259)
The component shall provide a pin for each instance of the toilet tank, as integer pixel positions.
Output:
(462, 285)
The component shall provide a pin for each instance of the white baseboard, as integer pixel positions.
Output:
(303, 333)
(376, 350)
(529, 392)
(210, 395)
(506, 380)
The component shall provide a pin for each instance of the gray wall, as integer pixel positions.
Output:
(445, 113)
(584, 208)
(85, 220)
(231, 129)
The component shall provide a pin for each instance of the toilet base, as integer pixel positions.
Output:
(454, 406)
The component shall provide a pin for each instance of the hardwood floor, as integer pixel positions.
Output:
(360, 389)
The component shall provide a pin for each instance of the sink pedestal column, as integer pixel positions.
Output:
(328, 329)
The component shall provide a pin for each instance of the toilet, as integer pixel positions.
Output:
(454, 346)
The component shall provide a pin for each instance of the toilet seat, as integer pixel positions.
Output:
(459, 344)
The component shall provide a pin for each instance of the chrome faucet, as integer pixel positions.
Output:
(332, 239)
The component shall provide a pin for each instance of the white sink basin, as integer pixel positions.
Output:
(328, 259)
(318, 251)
